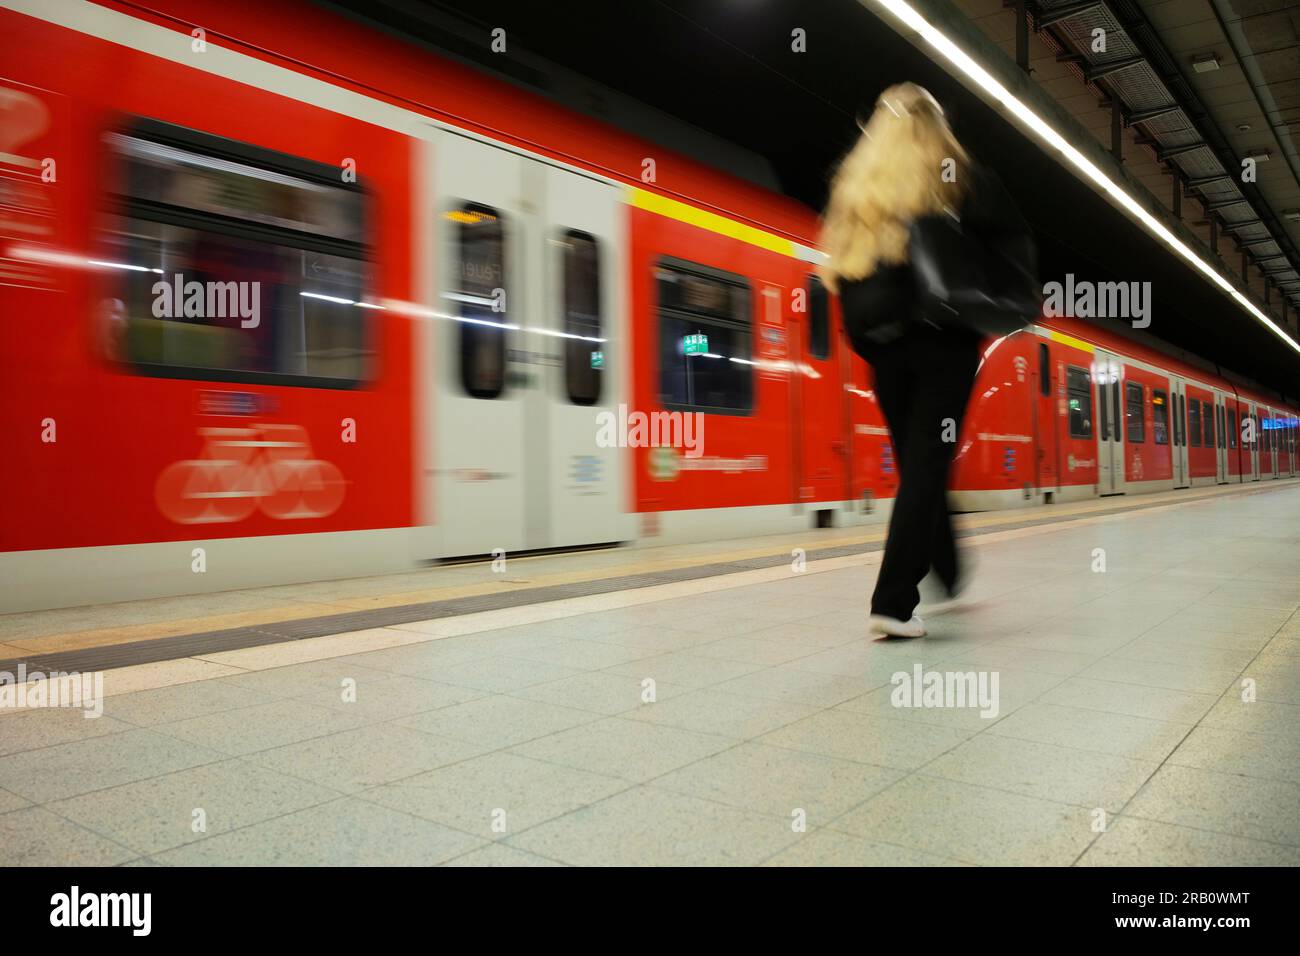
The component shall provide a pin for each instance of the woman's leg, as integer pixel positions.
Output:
(935, 396)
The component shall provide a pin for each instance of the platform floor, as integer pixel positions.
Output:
(522, 735)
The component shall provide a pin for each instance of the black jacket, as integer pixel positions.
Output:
(884, 306)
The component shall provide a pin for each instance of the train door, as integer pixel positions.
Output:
(1220, 414)
(1281, 433)
(513, 459)
(1237, 467)
(821, 448)
(1274, 441)
(1282, 439)
(1248, 436)
(1178, 430)
(1291, 444)
(1264, 429)
(1046, 424)
(1290, 435)
(1110, 417)
(584, 364)
(1283, 436)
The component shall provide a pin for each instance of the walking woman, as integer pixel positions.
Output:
(928, 254)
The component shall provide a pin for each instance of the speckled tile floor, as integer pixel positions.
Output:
(1147, 714)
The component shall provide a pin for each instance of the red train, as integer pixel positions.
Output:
(320, 304)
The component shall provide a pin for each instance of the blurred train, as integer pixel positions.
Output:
(287, 299)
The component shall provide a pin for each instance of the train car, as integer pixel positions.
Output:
(291, 300)
(1100, 414)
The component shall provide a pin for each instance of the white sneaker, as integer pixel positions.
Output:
(882, 626)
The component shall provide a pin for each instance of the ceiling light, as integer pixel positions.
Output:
(1259, 155)
(1039, 127)
(1207, 63)
(1292, 214)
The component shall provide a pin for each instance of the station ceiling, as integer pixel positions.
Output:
(728, 68)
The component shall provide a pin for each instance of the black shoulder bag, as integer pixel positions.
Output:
(987, 284)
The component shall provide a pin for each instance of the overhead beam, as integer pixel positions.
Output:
(1164, 153)
(1144, 116)
(1100, 70)
(1116, 132)
(1022, 36)
(1224, 204)
(1051, 17)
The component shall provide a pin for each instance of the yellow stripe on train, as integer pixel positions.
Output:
(1071, 341)
(694, 216)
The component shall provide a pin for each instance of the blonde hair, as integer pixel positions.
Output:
(893, 175)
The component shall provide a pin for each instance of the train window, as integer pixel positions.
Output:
(584, 345)
(478, 297)
(706, 357)
(1044, 370)
(1159, 417)
(1232, 428)
(1222, 417)
(233, 263)
(819, 319)
(1134, 412)
(1207, 419)
(1116, 409)
(1103, 408)
(1079, 386)
(1194, 423)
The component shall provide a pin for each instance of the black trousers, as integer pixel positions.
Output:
(923, 384)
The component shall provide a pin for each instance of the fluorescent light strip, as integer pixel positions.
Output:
(1036, 124)
(56, 258)
(327, 298)
(563, 335)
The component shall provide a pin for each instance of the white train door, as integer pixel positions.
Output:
(497, 402)
(1248, 428)
(586, 367)
(1264, 429)
(1220, 438)
(1178, 430)
(1110, 417)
